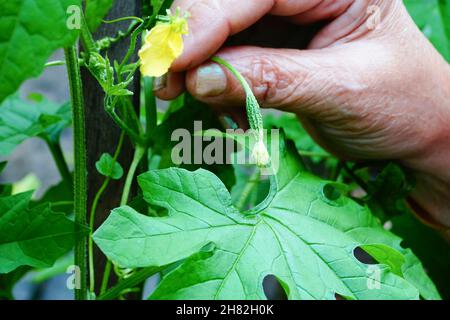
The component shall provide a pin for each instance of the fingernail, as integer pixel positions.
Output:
(160, 83)
(211, 81)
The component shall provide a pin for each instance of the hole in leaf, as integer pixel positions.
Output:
(363, 257)
(331, 192)
(273, 289)
(339, 297)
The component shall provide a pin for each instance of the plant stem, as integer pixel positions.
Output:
(105, 279)
(131, 49)
(80, 172)
(124, 19)
(253, 110)
(55, 63)
(97, 197)
(60, 161)
(355, 177)
(251, 183)
(139, 152)
(138, 277)
(122, 125)
(86, 38)
(91, 226)
(150, 107)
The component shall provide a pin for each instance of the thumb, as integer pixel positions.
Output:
(299, 81)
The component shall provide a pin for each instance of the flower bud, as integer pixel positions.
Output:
(260, 155)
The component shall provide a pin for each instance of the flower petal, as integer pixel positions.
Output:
(162, 46)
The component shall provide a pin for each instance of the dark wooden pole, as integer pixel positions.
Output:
(102, 133)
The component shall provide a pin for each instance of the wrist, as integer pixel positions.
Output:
(431, 165)
(430, 201)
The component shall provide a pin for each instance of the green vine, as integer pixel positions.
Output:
(93, 210)
(80, 184)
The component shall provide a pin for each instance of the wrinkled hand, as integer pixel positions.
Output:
(368, 86)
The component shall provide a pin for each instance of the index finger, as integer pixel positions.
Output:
(211, 22)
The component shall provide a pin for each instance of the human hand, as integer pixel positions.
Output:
(364, 90)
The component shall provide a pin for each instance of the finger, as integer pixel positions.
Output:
(347, 18)
(169, 86)
(292, 80)
(350, 20)
(211, 22)
(324, 10)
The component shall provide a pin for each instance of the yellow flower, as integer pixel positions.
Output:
(163, 44)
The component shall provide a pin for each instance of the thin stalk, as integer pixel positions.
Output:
(355, 178)
(150, 107)
(106, 275)
(138, 154)
(91, 232)
(86, 38)
(137, 278)
(55, 63)
(80, 172)
(336, 171)
(95, 202)
(131, 49)
(133, 135)
(60, 161)
(253, 110)
(124, 19)
(131, 113)
(251, 183)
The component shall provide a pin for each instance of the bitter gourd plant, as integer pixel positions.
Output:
(212, 231)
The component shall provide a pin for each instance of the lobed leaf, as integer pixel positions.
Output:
(31, 31)
(33, 236)
(304, 233)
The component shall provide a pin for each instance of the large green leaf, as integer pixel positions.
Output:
(20, 120)
(33, 237)
(304, 233)
(95, 11)
(433, 18)
(31, 30)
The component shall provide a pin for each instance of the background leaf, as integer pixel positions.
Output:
(31, 31)
(20, 120)
(429, 246)
(33, 236)
(95, 11)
